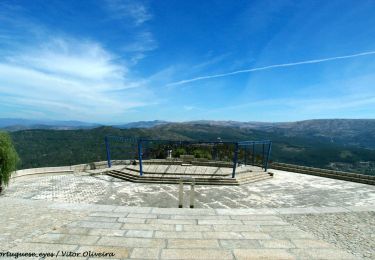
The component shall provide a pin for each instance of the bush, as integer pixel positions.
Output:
(8, 158)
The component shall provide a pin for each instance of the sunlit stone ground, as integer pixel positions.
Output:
(291, 216)
(285, 189)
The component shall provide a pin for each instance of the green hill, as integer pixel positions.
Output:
(40, 148)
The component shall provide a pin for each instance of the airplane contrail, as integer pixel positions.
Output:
(270, 67)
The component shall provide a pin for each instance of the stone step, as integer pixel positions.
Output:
(170, 180)
(146, 171)
(260, 178)
(166, 176)
(143, 179)
(208, 182)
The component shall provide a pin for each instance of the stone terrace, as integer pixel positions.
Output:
(290, 216)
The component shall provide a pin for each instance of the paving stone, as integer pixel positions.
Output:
(255, 235)
(92, 224)
(145, 253)
(322, 253)
(196, 254)
(236, 228)
(66, 239)
(138, 215)
(193, 243)
(310, 243)
(200, 217)
(177, 234)
(263, 211)
(72, 231)
(330, 209)
(42, 247)
(361, 208)
(290, 234)
(108, 214)
(279, 228)
(256, 217)
(266, 222)
(295, 210)
(179, 227)
(139, 233)
(222, 235)
(119, 252)
(100, 219)
(106, 232)
(171, 221)
(81, 207)
(133, 209)
(132, 242)
(219, 222)
(198, 227)
(161, 227)
(132, 220)
(239, 243)
(279, 254)
(276, 243)
(185, 212)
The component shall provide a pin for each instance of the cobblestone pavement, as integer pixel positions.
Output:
(285, 189)
(157, 233)
(352, 231)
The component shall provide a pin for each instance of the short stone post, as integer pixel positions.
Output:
(192, 193)
(181, 193)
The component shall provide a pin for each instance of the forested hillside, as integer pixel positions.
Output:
(38, 148)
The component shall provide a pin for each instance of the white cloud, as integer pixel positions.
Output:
(70, 78)
(314, 61)
(135, 10)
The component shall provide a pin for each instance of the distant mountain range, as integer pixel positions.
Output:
(16, 124)
(351, 132)
(142, 124)
(39, 148)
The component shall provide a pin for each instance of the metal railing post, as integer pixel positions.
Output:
(253, 154)
(235, 159)
(140, 156)
(108, 152)
(263, 155)
(268, 155)
(245, 155)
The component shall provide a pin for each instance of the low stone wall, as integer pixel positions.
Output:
(44, 170)
(72, 169)
(347, 176)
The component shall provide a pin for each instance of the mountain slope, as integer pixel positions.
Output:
(39, 148)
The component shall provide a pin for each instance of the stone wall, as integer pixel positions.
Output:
(347, 176)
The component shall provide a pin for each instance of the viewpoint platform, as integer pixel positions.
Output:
(84, 211)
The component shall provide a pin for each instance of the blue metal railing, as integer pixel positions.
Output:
(240, 151)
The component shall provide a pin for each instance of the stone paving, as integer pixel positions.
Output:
(97, 216)
(285, 189)
(119, 232)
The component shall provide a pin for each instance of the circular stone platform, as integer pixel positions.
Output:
(203, 173)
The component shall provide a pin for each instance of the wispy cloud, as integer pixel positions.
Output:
(271, 67)
(135, 10)
(69, 78)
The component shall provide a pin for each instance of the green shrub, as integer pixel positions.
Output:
(8, 158)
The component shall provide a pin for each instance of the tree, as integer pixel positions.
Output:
(8, 158)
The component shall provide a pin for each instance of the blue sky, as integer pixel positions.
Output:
(113, 61)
